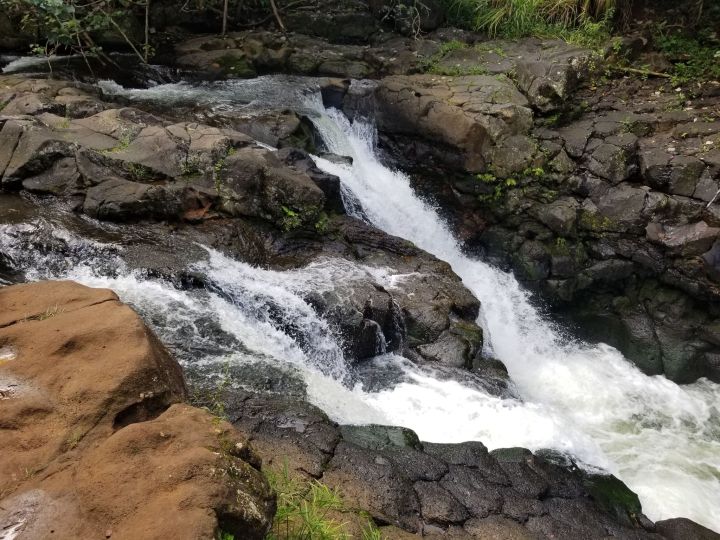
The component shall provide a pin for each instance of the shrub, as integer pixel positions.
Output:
(519, 18)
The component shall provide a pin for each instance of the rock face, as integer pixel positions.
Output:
(438, 490)
(221, 189)
(470, 116)
(96, 440)
(612, 215)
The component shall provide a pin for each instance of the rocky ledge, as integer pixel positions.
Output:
(186, 183)
(98, 442)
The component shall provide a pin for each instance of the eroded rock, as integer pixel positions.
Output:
(97, 437)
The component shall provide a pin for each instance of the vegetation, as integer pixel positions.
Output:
(76, 26)
(72, 25)
(310, 510)
(575, 20)
(694, 56)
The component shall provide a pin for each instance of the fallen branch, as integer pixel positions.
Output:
(276, 13)
(645, 72)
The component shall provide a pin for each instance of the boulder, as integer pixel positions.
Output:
(467, 116)
(100, 443)
(682, 529)
(683, 240)
(123, 200)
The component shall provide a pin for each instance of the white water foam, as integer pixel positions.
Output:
(662, 439)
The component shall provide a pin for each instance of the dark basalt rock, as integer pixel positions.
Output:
(446, 490)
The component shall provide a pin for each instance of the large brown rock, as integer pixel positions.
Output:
(468, 115)
(95, 441)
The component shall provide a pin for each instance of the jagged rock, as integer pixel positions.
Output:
(560, 215)
(253, 182)
(612, 163)
(683, 240)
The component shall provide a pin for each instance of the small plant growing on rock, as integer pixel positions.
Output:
(303, 509)
(291, 219)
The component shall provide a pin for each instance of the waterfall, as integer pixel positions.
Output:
(662, 439)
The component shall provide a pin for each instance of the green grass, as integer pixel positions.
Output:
(303, 508)
(308, 510)
(586, 22)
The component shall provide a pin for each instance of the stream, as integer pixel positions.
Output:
(584, 400)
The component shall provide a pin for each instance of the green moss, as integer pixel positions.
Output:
(237, 66)
(594, 222)
(377, 437)
(139, 173)
(433, 64)
(614, 496)
(321, 225)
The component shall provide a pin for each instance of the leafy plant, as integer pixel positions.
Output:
(291, 219)
(694, 57)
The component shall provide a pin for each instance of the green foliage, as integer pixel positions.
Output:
(291, 219)
(371, 532)
(321, 225)
(190, 167)
(500, 186)
(223, 535)
(695, 57)
(303, 509)
(69, 25)
(139, 173)
(586, 22)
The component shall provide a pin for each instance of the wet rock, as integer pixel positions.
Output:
(254, 183)
(560, 216)
(612, 163)
(439, 506)
(681, 528)
(374, 437)
(371, 481)
(683, 240)
(122, 200)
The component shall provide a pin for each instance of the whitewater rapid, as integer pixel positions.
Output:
(662, 439)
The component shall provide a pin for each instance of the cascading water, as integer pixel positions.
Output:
(588, 401)
(662, 439)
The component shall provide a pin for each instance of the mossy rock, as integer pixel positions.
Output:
(614, 496)
(512, 455)
(377, 437)
(236, 66)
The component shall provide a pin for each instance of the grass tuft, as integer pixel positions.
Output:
(586, 22)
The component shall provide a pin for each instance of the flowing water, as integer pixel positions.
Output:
(662, 439)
